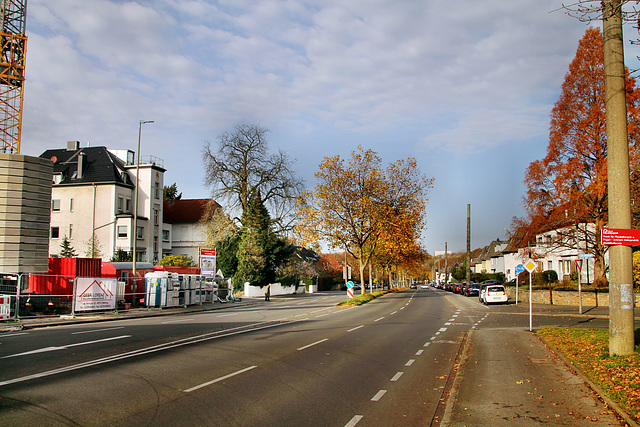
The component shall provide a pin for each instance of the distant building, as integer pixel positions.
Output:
(93, 194)
(183, 232)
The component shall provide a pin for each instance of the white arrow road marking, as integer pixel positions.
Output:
(64, 347)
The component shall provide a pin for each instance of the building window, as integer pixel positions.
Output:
(71, 205)
(122, 231)
(120, 204)
(127, 206)
(55, 232)
(165, 235)
(140, 232)
(55, 205)
(156, 216)
(70, 231)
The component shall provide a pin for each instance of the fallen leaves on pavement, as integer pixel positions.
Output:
(588, 349)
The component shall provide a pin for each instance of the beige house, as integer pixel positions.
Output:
(93, 193)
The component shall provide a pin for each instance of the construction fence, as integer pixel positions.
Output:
(37, 295)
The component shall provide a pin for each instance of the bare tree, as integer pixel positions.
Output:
(242, 167)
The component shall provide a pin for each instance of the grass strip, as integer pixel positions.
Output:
(617, 376)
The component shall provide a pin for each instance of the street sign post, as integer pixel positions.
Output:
(349, 289)
(519, 270)
(530, 266)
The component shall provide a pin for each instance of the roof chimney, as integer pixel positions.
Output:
(73, 145)
(81, 158)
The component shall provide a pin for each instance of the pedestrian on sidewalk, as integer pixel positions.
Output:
(267, 292)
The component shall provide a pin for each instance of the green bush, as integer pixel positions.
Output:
(543, 279)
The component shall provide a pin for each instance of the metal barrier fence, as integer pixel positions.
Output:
(44, 295)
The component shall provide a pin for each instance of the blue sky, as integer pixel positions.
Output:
(466, 87)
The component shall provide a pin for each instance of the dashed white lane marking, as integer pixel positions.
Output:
(442, 329)
(379, 319)
(312, 344)
(353, 421)
(397, 376)
(357, 327)
(189, 390)
(447, 324)
(378, 395)
(394, 312)
(410, 362)
(419, 352)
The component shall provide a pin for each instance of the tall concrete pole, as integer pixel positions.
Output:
(468, 243)
(446, 263)
(621, 328)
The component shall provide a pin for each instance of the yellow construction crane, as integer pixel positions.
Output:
(13, 49)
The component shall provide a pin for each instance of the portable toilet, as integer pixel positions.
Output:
(156, 285)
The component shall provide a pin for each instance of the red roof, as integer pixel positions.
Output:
(188, 211)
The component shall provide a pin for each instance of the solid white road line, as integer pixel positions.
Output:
(312, 344)
(208, 383)
(176, 321)
(160, 347)
(97, 330)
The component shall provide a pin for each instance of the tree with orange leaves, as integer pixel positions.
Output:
(355, 201)
(567, 189)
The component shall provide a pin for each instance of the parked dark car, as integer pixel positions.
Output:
(472, 289)
(484, 285)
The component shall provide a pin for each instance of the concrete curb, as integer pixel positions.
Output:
(576, 370)
(453, 395)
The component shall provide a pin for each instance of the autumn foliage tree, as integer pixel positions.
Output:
(355, 201)
(567, 189)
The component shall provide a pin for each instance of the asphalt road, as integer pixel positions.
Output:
(298, 361)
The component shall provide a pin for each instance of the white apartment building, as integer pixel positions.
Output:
(93, 193)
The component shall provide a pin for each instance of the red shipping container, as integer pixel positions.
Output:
(178, 269)
(62, 272)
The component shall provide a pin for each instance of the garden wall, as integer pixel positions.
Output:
(564, 297)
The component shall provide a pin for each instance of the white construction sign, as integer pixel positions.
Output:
(5, 307)
(95, 293)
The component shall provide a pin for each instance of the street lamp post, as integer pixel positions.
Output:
(135, 205)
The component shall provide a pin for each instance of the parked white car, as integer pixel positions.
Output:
(494, 294)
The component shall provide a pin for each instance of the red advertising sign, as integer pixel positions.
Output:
(620, 236)
(209, 252)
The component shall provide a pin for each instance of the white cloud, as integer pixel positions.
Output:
(430, 78)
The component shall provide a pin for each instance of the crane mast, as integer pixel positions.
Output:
(13, 48)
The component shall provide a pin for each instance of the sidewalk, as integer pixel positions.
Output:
(509, 376)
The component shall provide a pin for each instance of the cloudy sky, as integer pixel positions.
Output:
(464, 86)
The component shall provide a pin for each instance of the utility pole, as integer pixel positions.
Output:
(621, 327)
(446, 263)
(468, 243)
